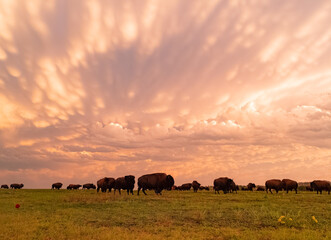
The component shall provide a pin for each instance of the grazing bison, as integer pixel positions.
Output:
(4, 186)
(174, 187)
(289, 184)
(195, 186)
(57, 185)
(319, 185)
(260, 188)
(73, 186)
(225, 184)
(309, 189)
(155, 181)
(125, 183)
(233, 187)
(16, 186)
(204, 188)
(185, 187)
(274, 184)
(243, 188)
(105, 183)
(89, 186)
(250, 186)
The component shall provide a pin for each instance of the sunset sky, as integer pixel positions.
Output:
(196, 89)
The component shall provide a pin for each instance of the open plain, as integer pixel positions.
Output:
(85, 214)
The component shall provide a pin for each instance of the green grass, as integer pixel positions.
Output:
(85, 214)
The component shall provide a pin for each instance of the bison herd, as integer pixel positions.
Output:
(161, 181)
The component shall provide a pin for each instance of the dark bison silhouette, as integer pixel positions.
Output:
(319, 185)
(274, 184)
(289, 184)
(16, 186)
(309, 189)
(250, 186)
(105, 183)
(223, 183)
(243, 188)
(195, 186)
(4, 186)
(156, 182)
(185, 187)
(260, 188)
(73, 186)
(125, 183)
(57, 185)
(89, 186)
(203, 188)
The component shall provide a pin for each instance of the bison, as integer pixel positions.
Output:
(57, 185)
(89, 186)
(289, 184)
(105, 183)
(243, 188)
(125, 183)
(223, 183)
(185, 187)
(250, 186)
(260, 188)
(156, 182)
(319, 185)
(16, 186)
(73, 186)
(309, 189)
(195, 186)
(4, 186)
(274, 184)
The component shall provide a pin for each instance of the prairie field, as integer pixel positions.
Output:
(85, 214)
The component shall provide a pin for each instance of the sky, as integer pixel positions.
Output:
(195, 89)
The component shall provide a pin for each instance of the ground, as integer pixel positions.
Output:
(85, 214)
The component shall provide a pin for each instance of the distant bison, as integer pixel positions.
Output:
(309, 189)
(204, 188)
(89, 186)
(57, 185)
(125, 183)
(156, 182)
(73, 186)
(274, 184)
(319, 185)
(250, 186)
(105, 183)
(243, 188)
(195, 186)
(185, 187)
(260, 188)
(4, 186)
(225, 184)
(289, 184)
(16, 186)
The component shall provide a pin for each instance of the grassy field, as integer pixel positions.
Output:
(85, 214)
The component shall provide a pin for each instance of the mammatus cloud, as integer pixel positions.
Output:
(199, 90)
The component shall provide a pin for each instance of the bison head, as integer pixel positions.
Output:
(130, 180)
(169, 182)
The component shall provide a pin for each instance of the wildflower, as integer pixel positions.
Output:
(290, 219)
(280, 219)
(282, 222)
(313, 217)
(17, 206)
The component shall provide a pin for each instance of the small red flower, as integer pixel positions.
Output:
(17, 206)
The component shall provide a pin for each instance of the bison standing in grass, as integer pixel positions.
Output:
(4, 186)
(260, 188)
(89, 186)
(125, 183)
(73, 186)
(105, 183)
(156, 182)
(225, 184)
(57, 185)
(185, 187)
(16, 186)
(195, 186)
(250, 186)
(289, 184)
(319, 185)
(274, 184)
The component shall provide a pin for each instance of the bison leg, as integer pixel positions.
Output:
(144, 191)
(138, 190)
(296, 191)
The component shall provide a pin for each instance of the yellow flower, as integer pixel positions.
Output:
(313, 217)
(280, 218)
(290, 219)
(282, 222)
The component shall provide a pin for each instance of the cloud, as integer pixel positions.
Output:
(198, 90)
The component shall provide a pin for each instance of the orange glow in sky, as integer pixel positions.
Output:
(196, 89)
